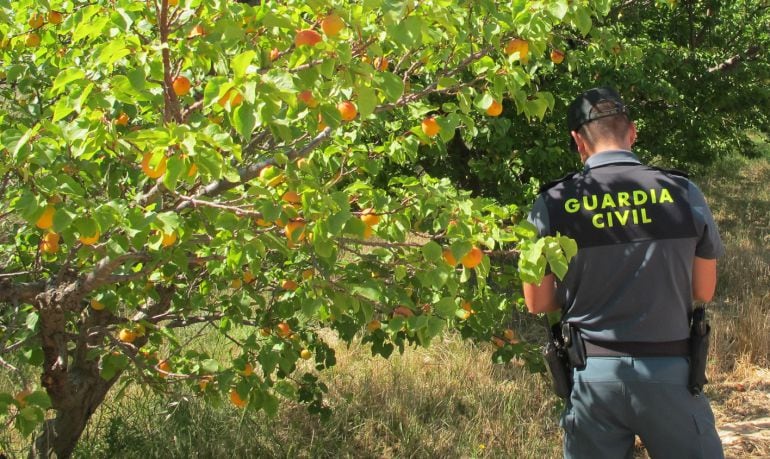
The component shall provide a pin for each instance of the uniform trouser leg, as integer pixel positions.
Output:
(615, 398)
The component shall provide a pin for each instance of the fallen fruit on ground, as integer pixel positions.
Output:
(305, 354)
(96, 305)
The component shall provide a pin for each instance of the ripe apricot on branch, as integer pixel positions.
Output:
(307, 37)
(332, 25)
(369, 217)
(306, 97)
(430, 127)
(495, 108)
(32, 40)
(520, 46)
(168, 239)
(292, 197)
(181, 85)
(36, 21)
(126, 335)
(557, 56)
(373, 325)
(55, 17)
(89, 240)
(50, 243)
(295, 231)
(96, 305)
(348, 110)
(233, 96)
(289, 285)
(449, 258)
(472, 258)
(122, 119)
(156, 172)
(197, 31)
(236, 399)
(284, 330)
(402, 311)
(46, 219)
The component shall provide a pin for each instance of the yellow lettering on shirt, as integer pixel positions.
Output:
(636, 202)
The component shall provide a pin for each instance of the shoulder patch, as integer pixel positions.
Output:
(549, 185)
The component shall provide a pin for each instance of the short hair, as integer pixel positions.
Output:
(614, 127)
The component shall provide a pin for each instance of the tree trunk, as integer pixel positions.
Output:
(61, 434)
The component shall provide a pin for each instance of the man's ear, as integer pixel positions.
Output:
(632, 134)
(581, 145)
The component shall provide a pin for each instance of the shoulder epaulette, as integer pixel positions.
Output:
(549, 185)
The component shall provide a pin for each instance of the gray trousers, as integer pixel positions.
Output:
(615, 398)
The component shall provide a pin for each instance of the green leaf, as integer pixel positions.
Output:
(583, 20)
(557, 8)
(64, 78)
(39, 398)
(432, 252)
(445, 307)
(210, 366)
(244, 120)
(569, 246)
(241, 62)
(366, 101)
(390, 84)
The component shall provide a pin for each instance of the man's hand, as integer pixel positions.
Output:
(541, 298)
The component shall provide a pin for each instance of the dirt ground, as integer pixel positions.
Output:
(742, 410)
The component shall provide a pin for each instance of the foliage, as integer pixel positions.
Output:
(201, 162)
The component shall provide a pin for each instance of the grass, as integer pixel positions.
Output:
(448, 400)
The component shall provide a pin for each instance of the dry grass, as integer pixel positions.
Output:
(450, 400)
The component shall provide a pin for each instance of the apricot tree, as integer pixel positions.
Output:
(175, 168)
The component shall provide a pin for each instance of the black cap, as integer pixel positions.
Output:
(584, 108)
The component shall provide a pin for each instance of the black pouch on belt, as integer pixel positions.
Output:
(557, 363)
(576, 348)
(700, 330)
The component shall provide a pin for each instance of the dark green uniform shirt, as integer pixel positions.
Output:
(638, 230)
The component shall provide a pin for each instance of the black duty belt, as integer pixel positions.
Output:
(637, 349)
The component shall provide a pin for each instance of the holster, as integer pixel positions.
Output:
(557, 362)
(573, 343)
(700, 331)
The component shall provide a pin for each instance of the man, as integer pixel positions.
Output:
(647, 248)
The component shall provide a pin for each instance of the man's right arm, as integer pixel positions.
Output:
(704, 279)
(708, 248)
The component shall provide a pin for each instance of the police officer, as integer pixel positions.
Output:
(647, 248)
